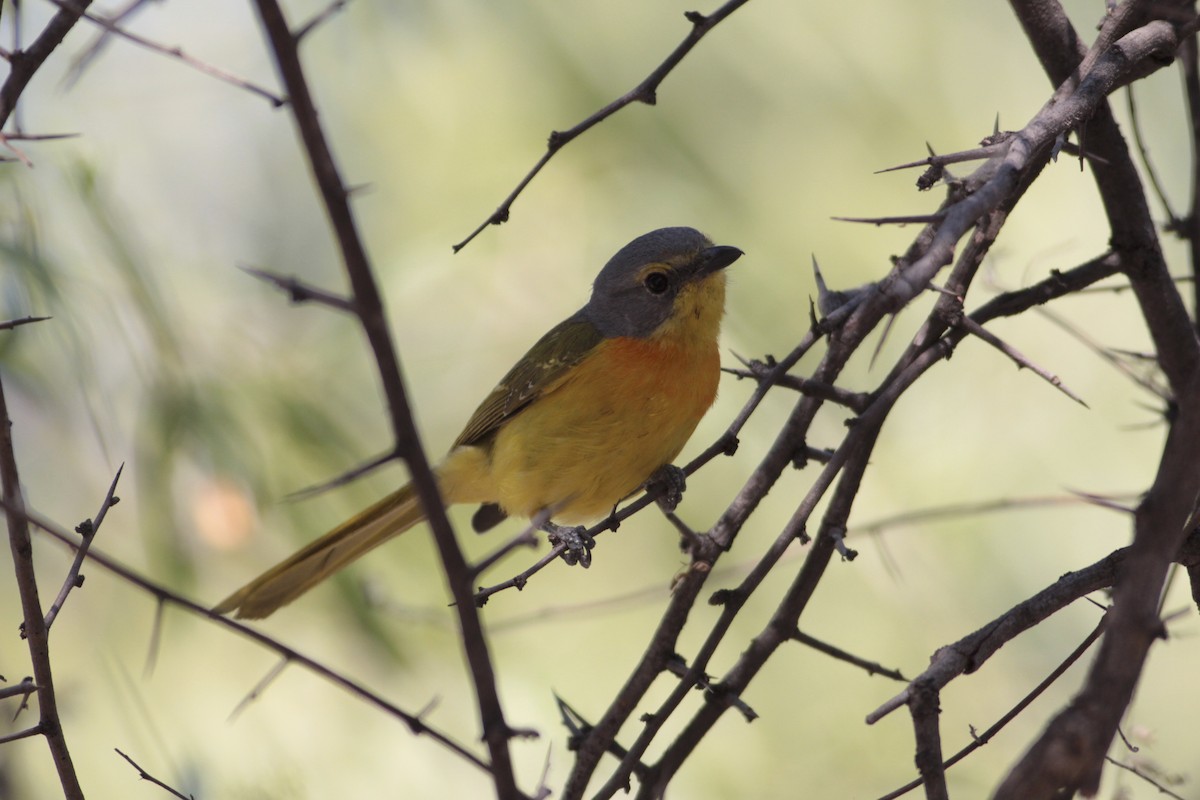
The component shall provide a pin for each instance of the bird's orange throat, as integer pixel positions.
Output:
(679, 361)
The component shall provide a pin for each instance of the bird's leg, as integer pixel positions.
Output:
(576, 539)
(673, 480)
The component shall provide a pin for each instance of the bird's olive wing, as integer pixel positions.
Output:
(544, 367)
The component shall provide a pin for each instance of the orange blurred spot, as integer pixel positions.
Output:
(223, 514)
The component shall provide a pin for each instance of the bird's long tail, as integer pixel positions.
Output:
(303, 570)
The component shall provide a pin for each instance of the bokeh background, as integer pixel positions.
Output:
(222, 400)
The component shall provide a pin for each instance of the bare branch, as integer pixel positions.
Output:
(908, 219)
(979, 740)
(320, 18)
(26, 733)
(146, 776)
(175, 53)
(8, 325)
(164, 595)
(645, 92)
(34, 626)
(259, 688)
(346, 477)
(1148, 779)
(25, 688)
(970, 652)
(89, 54)
(25, 63)
(871, 667)
(300, 292)
(760, 370)
(975, 329)
(88, 530)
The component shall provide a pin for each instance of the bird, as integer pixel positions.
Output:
(594, 412)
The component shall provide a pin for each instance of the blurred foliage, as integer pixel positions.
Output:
(223, 401)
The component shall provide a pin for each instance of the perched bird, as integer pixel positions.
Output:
(595, 410)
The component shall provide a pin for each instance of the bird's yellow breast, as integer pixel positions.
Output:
(624, 411)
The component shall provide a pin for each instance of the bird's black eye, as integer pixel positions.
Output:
(657, 282)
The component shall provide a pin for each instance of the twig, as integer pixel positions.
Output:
(8, 325)
(575, 611)
(164, 595)
(39, 137)
(1100, 501)
(154, 644)
(1057, 284)
(146, 776)
(30, 59)
(908, 219)
(1143, 151)
(25, 687)
(300, 292)
(352, 474)
(526, 538)
(758, 370)
(871, 667)
(579, 727)
(1106, 354)
(88, 530)
(645, 92)
(952, 510)
(34, 625)
(174, 52)
(93, 50)
(970, 652)
(1156, 784)
(940, 160)
(320, 18)
(26, 733)
(980, 740)
(678, 667)
(519, 580)
(977, 330)
(263, 684)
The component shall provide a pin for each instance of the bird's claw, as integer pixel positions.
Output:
(578, 542)
(673, 481)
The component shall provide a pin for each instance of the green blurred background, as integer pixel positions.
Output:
(222, 400)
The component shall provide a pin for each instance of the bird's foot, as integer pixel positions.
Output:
(576, 539)
(673, 481)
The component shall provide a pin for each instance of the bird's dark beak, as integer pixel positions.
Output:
(716, 258)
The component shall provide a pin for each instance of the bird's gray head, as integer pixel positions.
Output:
(637, 289)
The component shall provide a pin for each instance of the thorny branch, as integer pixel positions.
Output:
(87, 530)
(34, 625)
(289, 655)
(176, 53)
(983, 199)
(369, 306)
(645, 92)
